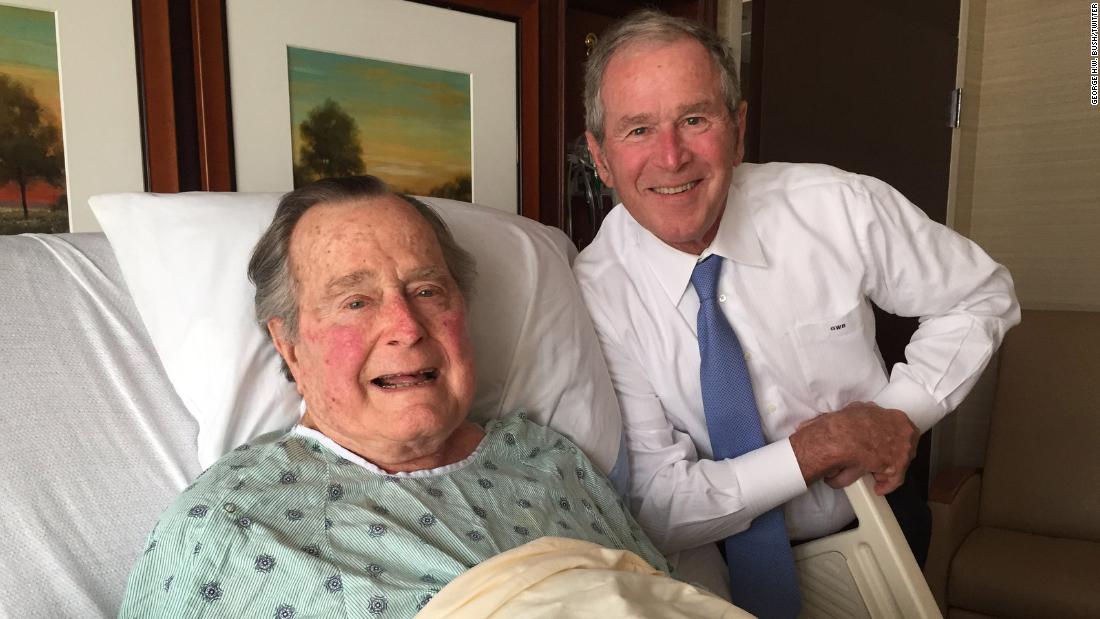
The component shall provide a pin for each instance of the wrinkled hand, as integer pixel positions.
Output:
(844, 445)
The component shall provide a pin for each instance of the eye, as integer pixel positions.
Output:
(427, 292)
(694, 121)
(637, 131)
(355, 304)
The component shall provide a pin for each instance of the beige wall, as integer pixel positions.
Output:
(1034, 202)
(1027, 184)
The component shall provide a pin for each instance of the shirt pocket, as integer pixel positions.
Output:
(839, 359)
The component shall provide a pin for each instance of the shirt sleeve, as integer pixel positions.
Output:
(681, 501)
(965, 302)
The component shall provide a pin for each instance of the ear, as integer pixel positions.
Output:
(598, 158)
(739, 156)
(285, 346)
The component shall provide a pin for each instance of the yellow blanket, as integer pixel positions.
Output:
(554, 577)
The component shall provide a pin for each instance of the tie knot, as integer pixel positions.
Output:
(705, 276)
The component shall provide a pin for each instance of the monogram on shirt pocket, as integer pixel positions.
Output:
(839, 358)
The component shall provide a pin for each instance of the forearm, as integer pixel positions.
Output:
(684, 502)
(682, 499)
(965, 300)
(943, 361)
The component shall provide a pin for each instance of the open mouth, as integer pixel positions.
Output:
(671, 191)
(404, 381)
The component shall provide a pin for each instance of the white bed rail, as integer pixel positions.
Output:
(866, 572)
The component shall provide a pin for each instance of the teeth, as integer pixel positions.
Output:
(398, 381)
(668, 191)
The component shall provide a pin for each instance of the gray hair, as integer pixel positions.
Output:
(652, 26)
(270, 270)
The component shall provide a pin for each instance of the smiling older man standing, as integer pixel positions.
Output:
(733, 303)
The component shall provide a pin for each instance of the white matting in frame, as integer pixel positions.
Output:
(100, 121)
(259, 33)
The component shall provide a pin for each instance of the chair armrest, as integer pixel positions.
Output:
(949, 483)
(953, 499)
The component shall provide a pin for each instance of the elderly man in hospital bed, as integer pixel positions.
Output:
(384, 492)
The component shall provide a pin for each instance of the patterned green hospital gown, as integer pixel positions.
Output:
(296, 526)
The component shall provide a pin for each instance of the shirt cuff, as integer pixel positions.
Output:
(913, 400)
(768, 477)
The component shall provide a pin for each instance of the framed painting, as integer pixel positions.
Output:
(69, 112)
(419, 95)
(408, 125)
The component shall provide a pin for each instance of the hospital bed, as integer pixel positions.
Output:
(129, 361)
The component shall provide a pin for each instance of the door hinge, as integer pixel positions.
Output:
(954, 110)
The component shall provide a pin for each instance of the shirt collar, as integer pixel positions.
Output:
(355, 458)
(736, 240)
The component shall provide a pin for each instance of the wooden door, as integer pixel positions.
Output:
(860, 84)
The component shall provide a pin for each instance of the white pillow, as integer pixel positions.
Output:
(184, 258)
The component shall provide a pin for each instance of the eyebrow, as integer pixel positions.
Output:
(699, 106)
(338, 285)
(430, 272)
(631, 121)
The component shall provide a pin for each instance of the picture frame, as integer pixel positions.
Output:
(421, 34)
(100, 108)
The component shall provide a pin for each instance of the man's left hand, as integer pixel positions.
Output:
(867, 439)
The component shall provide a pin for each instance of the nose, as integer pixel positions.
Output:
(401, 325)
(672, 151)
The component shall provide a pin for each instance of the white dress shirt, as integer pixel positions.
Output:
(807, 248)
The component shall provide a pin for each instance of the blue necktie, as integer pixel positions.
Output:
(762, 573)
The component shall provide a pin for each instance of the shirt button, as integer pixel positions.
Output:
(721, 298)
(748, 356)
(229, 507)
(772, 408)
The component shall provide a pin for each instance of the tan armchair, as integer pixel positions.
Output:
(1021, 538)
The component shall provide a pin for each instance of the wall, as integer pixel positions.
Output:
(1028, 177)
(1035, 204)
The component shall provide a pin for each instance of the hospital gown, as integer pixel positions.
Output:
(293, 525)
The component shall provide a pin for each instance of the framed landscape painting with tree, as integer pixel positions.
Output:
(32, 159)
(408, 125)
(422, 96)
(70, 125)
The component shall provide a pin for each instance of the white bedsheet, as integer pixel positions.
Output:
(93, 429)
